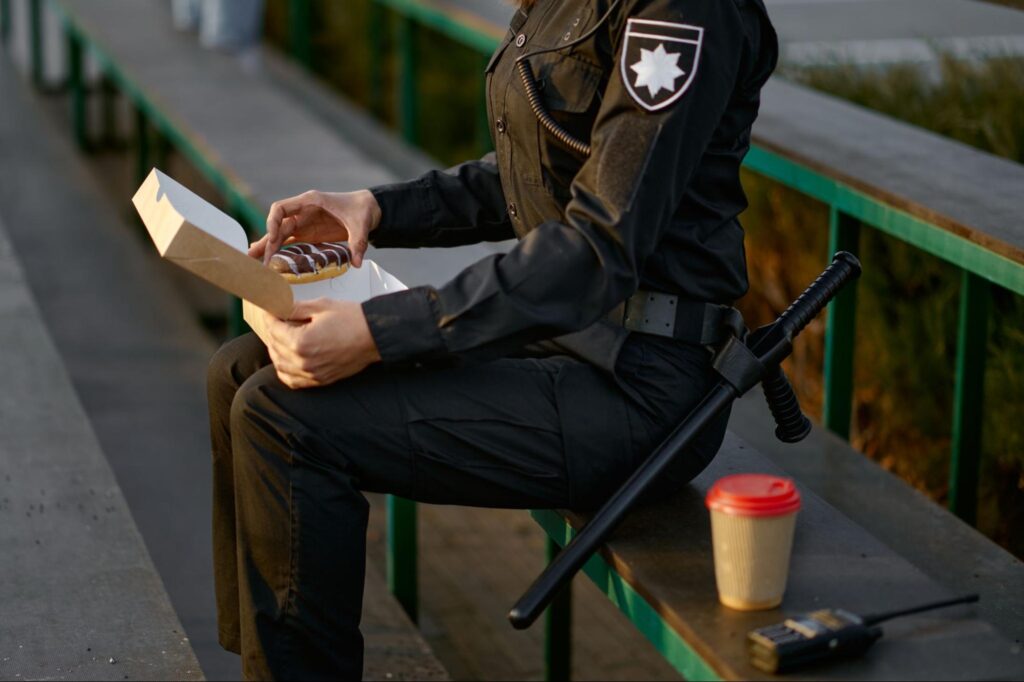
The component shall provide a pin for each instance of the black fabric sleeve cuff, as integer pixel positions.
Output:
(404, 325)
(405, 207)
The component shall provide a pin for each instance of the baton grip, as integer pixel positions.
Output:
(791, 425)
(842, 269)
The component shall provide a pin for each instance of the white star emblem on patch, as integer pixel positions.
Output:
(657, 70)
(659, 61)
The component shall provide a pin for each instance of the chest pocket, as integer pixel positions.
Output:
(567, 83)
(569, 89)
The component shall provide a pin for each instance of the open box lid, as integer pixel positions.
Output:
(198, 236)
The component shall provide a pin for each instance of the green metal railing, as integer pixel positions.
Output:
(156, 134)
(5, 21)
(35, 28)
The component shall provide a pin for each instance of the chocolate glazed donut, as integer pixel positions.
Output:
(301, 263)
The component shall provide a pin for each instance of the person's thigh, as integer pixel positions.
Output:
(491, 435)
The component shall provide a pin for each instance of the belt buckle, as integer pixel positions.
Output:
(651, 312)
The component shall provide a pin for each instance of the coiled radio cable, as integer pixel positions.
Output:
(533, 91)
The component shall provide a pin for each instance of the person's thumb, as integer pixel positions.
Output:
(304, 311)
(358, 244)
(257, 248)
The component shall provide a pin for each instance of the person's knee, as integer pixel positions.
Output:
(232, 364)
(250, 403)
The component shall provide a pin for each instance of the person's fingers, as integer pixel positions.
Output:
(303, 311)
(307, 215)
(290, 369)
(257, 248)
(283, 236)
(282, 336)
(358, 244)
(273, 246)
(296, 383)
(291, 377)
(276, 219)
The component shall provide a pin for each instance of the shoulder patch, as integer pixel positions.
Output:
(659, 61)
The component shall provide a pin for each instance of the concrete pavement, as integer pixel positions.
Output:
(80, 597)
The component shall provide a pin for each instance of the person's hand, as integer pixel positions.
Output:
(324, 341)
(320, 217)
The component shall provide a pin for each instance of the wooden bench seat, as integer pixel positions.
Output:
(937, 542)
(658, 569)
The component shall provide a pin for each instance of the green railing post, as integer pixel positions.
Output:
(558, 629)
(375, 29)
(5, 21)
(76, 81)
(402, 554)
(969, 391)
(236, 323)
(300, 23)
(162, 151)
(840, 331)
(108, 99)
(408, 96)
(35, 33)
(144, 161)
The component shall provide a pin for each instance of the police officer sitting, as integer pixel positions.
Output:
(539, 378)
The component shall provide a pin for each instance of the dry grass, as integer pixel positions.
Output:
(908, 303)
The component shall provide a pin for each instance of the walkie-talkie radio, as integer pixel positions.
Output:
(824, 635)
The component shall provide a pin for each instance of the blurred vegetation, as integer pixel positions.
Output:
(450, 84)
(1019, 4)
(908, 300)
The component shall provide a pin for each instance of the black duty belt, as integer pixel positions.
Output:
(652, 312)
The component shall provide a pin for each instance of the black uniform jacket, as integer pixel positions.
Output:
(665, 92)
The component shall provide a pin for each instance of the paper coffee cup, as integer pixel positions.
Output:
(753, 517)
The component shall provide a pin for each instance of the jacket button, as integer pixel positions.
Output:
(520, 40)
(500, 125)
(512, 210)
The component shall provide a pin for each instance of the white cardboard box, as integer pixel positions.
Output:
(190, 232)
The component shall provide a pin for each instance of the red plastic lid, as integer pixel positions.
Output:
(753, 495)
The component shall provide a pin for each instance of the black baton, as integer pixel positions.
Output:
(743, 363)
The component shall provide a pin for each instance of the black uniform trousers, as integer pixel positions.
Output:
(290, 466)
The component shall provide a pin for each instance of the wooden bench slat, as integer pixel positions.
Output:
(973, 194)
(929, 536)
